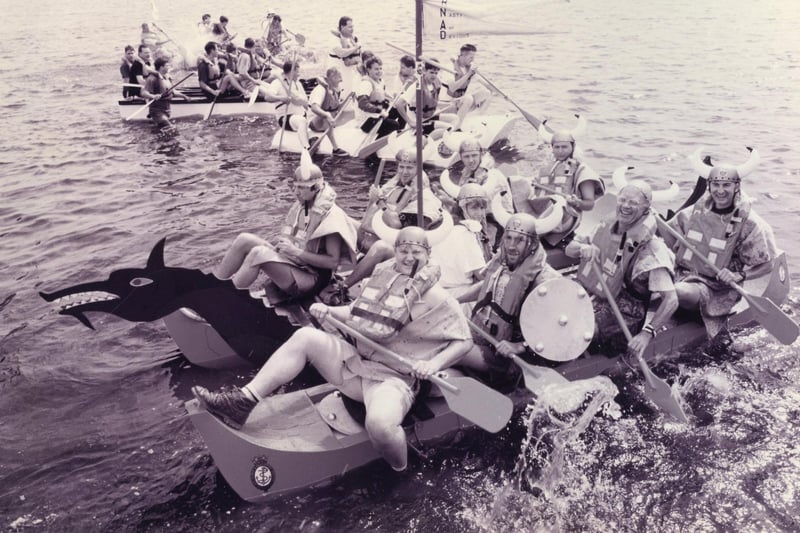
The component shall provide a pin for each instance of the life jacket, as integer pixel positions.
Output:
(352, 59)
(503, 316)
(430, 98)
(378, 95)
(214, 70)
(332, 101)
(617, 252)
(384, 306)
(561, 176)
(714, 235)
(299, 230)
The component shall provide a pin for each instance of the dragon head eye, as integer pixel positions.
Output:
(140, 282)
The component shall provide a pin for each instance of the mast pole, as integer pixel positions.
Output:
(419, 22)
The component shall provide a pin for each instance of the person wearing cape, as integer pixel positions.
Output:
(635, 264)
(317, 235)
(724, 227)
(401, 307)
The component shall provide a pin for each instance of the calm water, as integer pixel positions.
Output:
(93, 431)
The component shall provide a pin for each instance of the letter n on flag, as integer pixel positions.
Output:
(445, 20)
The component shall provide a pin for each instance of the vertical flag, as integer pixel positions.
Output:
(446, 20)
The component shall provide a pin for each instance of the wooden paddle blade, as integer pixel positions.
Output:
(300, 38)
(374, 146)
(774, 320)
(253, 97)
(481, 405)
(537, 378)
(604, 207)
(210, 109)
(661, 394)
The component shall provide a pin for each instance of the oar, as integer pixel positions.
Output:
(335, 118)
(657, 389)
(546, 188)
(700, 187)
(286, 112)
(530, 118)
(769, 315)
(536, 377)
(148, 104)
(535, 122)
(467, 397)
(298, 37)
(211, 107)
(379, 173)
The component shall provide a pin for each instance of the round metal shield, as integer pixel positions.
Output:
(557, 320)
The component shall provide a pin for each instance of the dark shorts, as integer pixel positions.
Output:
(288, 125)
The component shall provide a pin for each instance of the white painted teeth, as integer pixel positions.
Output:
(74, 300)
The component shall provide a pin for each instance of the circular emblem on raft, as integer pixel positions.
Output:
(557, 320)
(782, 273)
(262, 475)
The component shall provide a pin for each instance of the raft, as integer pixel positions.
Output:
(307, 438)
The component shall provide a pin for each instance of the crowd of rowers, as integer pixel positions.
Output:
(419, 282)
(386, 105)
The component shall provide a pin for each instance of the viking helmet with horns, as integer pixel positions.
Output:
(307, 171)
(544, 224)
(724, 172)
(563, 135)
(621, 181)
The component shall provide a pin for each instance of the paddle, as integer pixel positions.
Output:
(298, 37)
(148, 104)
(210, 109)
(467, 397)
(536, 377)
(530, 118)
(335, 118)
(365, 149)
(700, 187)
(379, 173)
(769, 315)
(657, 389)
(286, 112)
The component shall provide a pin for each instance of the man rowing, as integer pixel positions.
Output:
(473, 171)
(158, 87)
(567, 176)
(374, 106)
(125, 71)
(725, 228)
(403, 308)
(431, 120)
(315, 238)
(516, 269)
(250, 68)
(325, 102)
(212, 81)
(467, 95)
(348, 51)
(635, 264)
(288, 91)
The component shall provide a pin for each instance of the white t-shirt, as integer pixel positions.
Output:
(459, 255)
(278, 87)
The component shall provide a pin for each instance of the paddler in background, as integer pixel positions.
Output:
(249, 69)
(636, 264)
(374, 104)
(433, 123)
(467, 95)
(401, 307)
(474, 170)
(210, 77)
(724, 227)
(347, 50)
(316, 237)
(156, 87)
(568, 177)
(325, 101)
(125, 70)
(288, 91)
(516, 269)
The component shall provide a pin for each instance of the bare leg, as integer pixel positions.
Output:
(235, 256)
(385, 411)
(474, 359)
(307, 345)
(300, 125)
(378, 253)
(688, 295)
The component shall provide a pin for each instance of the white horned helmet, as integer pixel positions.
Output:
(725, 171)
(307, 171)
(544, 224)
(570, 136)
(433, 211)
(620, 181)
